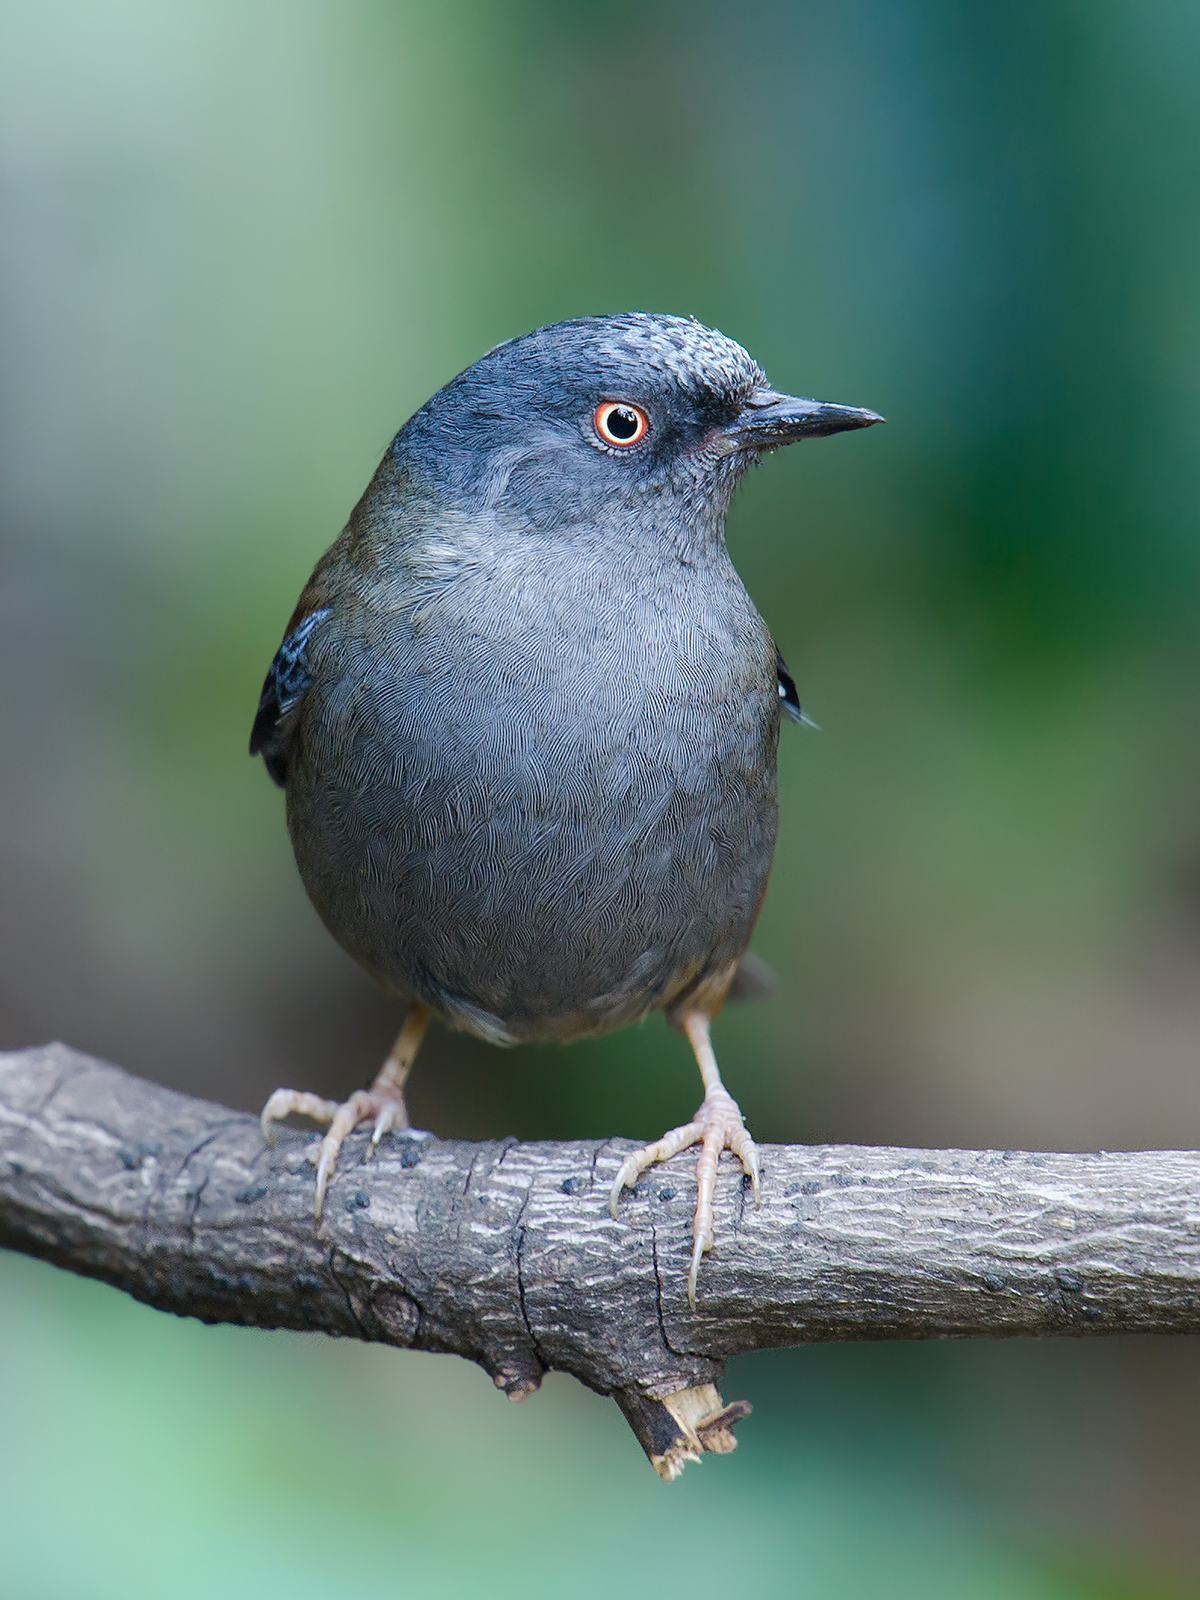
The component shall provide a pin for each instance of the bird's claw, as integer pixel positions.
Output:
(385, 1107)
(286, 1102)
(716, 1126)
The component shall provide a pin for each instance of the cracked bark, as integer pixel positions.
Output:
(505, 1253)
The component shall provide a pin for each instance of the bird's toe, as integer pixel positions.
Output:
(294, 1102)
(382, 1106)
(722, 1128)
(717, 1126)
(636, 1162)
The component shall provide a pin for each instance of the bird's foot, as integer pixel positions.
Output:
(380, 1104)
(716, 1126)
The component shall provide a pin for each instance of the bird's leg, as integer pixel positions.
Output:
(383, 1101)
(716, 1126)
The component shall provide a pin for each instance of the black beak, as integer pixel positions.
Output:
(768, 419)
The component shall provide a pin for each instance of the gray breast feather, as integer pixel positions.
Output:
(543, 833)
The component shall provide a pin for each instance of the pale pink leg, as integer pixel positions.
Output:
(383, 1102)
(716, 1126)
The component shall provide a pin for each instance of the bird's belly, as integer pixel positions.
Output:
(539, 868)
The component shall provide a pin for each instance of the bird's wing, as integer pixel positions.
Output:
(788, 694)
(284, 686)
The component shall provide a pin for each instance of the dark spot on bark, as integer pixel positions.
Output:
(810, 1187)
(666, 1194)
(993, 1281)
(410, 1153)
(251, 1192)
(133, 1154)
(1069, 1282)
(360, 1199)
(569, 1186)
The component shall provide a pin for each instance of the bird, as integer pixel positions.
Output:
(526, 714)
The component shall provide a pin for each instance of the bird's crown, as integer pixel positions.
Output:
(637, 348)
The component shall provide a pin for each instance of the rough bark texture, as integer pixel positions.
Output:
(505, 1253)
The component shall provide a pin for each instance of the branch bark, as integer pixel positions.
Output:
(505, 1253)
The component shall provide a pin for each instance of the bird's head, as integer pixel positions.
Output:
(613, 423)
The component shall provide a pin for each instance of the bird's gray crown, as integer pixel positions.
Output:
(636, 348)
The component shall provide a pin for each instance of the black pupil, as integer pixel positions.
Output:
(622, 422)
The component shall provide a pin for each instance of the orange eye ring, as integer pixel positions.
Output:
(620, 423)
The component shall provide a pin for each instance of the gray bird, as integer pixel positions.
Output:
(526, 714)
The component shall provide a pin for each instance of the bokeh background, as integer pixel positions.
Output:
(241, 243)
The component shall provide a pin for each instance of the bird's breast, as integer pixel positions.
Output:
(548, 802)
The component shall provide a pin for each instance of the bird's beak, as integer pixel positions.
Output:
(768, 419)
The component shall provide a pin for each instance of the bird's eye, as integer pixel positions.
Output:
(617, 422)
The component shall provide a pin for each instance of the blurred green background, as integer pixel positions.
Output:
(242, 242)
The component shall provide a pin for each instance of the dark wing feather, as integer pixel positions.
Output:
(788, 693)
(283, 689)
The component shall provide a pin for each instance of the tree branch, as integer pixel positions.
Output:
(505, 1253)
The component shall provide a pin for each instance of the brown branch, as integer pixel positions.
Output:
(505, 1253)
